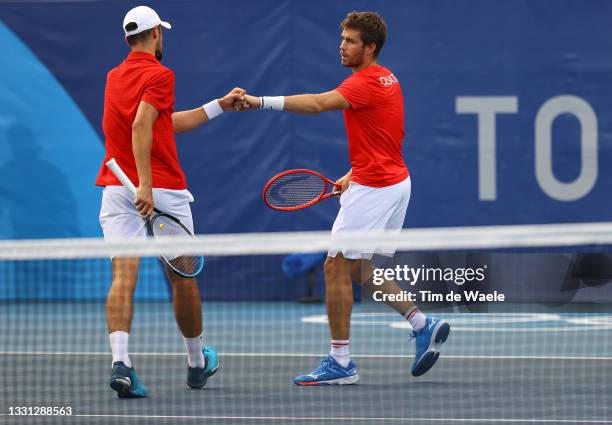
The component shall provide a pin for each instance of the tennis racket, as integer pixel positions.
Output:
(297, 189)
(163, 224)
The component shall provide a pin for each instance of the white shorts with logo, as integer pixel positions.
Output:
(120, 219)
(364, 208)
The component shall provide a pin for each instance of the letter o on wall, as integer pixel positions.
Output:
(585, 181)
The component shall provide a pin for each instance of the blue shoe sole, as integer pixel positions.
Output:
(349, 380)
(203, 384)
(431, 357)
(442, 334)
(122, 387)
(125, 390)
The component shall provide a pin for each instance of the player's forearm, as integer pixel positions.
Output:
(142, 140)
(188, 120)
(303, 104)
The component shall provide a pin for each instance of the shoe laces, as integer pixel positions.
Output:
(413, 335)
(325, 362)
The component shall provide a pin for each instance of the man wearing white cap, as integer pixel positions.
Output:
(139, 125)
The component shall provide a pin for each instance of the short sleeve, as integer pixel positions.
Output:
(159, 90)
(355, 90)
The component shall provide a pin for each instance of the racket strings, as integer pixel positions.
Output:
(295, 189)
(187, 264)
(163, 225)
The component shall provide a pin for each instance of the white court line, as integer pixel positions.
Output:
(471, 322)
(405, 419)
(311, 355)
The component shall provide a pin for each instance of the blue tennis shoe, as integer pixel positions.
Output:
(330, 372)
(197, 376)
(428, 339)
(125, 382)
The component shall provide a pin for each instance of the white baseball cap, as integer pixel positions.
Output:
(145, 18)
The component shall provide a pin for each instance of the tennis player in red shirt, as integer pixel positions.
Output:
(375, 192)
(139, 125)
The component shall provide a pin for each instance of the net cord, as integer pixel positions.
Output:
(418, 239)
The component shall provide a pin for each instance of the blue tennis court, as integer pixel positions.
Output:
(496, 367)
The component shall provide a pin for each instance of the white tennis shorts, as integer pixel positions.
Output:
(120, 219)
(364, 208)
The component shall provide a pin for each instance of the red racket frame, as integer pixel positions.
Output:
(320, 198)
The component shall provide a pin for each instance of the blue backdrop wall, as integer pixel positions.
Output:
(508, 114)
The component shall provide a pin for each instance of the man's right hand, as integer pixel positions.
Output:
(230, 101)
(144, 201)
(249, 102)
(344, 182)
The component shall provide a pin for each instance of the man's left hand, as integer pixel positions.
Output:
(234, 100)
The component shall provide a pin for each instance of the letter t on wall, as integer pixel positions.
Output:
(486, 107)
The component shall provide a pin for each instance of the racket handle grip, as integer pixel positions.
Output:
(123, 178)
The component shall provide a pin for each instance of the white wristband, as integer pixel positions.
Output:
(272, 102)
(212, 109)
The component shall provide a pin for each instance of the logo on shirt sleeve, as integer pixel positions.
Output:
(389, 80)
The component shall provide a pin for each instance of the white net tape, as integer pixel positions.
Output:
(422, 239)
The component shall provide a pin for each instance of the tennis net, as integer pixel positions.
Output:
(528, 306)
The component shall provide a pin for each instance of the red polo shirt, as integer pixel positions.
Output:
(140, 77)
(375, 126)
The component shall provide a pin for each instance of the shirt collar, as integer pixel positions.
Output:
(139, 55)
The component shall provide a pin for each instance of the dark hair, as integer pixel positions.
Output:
(370, 25)
(137, 38)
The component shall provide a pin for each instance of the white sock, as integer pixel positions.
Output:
(194, 346)
(340, 351)
(119, 347)
(417, 319)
